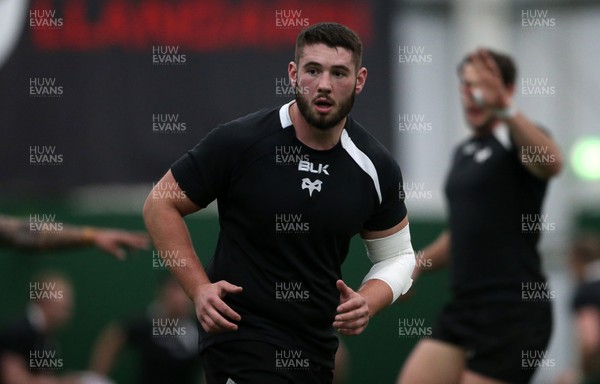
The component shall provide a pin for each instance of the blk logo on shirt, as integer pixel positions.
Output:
(311, 185)
(307, 166)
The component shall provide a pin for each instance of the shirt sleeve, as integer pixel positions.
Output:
(586, 295)
(134, 328)
(203, 173)
(18, 338)
(392, 209)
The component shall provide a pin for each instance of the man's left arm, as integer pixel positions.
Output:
(530, 139)
(393, 263)
(527, 136)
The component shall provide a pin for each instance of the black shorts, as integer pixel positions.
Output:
(252, 362)
(506, 342)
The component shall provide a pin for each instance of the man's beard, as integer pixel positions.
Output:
(323, 122)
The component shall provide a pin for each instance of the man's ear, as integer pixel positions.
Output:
(511, 89)
(293, 73)
(361, 79)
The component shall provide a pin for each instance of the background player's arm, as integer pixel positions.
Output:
(588, 331)
(435, 256)
(107, 349)
(526, 135)
(17, 233)
(164, 220)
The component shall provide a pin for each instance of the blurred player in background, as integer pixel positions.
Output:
(584, 258)
(35, 331)
(272, 297)
(29, 350)
(165, 337)
(585, 263)
(495, 191)
(17, 233)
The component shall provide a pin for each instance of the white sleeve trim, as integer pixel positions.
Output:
(362, 160)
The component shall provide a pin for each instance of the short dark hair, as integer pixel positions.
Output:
(507, 66)
(332, 35)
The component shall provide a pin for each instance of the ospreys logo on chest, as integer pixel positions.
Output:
(307, 166)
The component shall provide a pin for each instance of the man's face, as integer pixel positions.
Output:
(477, 117)
(58, 312)
(326, 83)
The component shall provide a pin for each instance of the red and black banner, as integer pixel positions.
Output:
(113, 91)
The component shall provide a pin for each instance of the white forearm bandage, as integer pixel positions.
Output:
(393, 261)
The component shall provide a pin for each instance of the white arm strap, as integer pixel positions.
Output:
(393, 261)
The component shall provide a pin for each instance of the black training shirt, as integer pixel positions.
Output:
(495, 222)
(587, 294)
(40, 353)
(167, 348)
(287, 214)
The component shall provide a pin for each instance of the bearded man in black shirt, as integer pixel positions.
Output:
(293, 184)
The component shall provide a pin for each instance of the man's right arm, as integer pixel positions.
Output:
(588, 333)
(18, 233)
(435, 256)
(163, 216)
